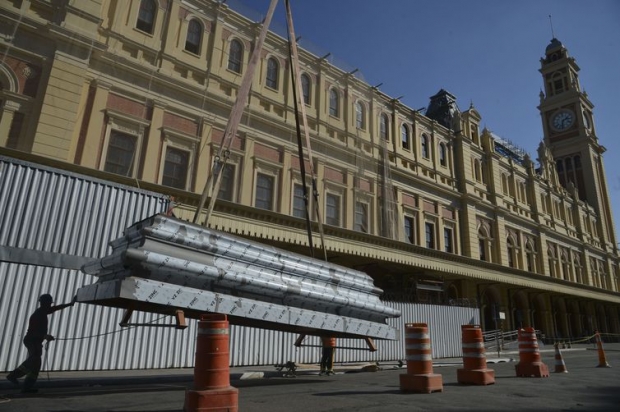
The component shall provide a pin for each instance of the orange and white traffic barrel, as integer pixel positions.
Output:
(419, 377)
(474, 369)
(530, 363)
(212, 390)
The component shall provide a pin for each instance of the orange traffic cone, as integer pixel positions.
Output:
(602, 360)
(560, 366)
(419, 377)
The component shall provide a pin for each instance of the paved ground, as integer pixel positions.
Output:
(585, 388)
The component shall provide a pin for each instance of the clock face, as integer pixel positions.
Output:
(562, 120)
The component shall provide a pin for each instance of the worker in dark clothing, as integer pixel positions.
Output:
(327, 358)
(36, 334)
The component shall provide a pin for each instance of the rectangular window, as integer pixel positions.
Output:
(410, 229)
(299, 205)
(482, 249)
(175, 168)
(361, 217)
(448, 240)
(264, 191)
(121, 151)
(227, 184)
(332, 212)
(430, 235)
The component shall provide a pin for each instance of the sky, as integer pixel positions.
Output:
(485, 52)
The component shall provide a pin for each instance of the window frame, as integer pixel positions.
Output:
(360, 115)
(306, 88)
(172, 149)
(298, 198)
(258, 189)
(124, 123)
(384, 127)
(424, 142)
(147, 16)
(334, 103)
(194, 29)
(364, 225)
(235, 56)
(405, 136)
(336, 207)
(430, 240)
(443, 154)
(228, 186)
(272, 75)
(132, 164)
(448, 239)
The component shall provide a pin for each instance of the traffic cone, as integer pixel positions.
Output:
(419, 377)
(529, 356)
(560, 366)
(602, 360)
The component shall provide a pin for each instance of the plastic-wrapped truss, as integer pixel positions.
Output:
(163, 261)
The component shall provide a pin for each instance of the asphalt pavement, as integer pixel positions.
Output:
(354, 387)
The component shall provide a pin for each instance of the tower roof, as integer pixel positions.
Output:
(553, 45)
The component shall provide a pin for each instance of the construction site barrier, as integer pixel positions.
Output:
(212, 390)
(419, 377)
(529, 356)
(474, 369)
(602, 359)
(560, 366)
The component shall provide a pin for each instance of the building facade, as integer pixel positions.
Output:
(434, 208)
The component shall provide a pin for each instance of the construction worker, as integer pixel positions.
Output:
(327, 358)
(36, 334)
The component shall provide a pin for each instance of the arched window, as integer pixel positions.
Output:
(272, 73)
(305, 88)
(443, 154)
(235, 56)
(530, 256)
(333, 103)
(512, 251)
(578, 269)
(146, 16)
(553, 261)
(484, 242)
(404, 135)
(384, 127)
(566, 272)
(194, 36)
(424, 142)
(360, 116)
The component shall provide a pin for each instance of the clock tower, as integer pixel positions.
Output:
(570, 135)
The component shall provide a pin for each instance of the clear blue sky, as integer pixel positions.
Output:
(482, 51)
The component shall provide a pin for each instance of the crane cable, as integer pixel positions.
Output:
(301, 104)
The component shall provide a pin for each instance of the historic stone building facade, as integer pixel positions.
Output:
(433, 207)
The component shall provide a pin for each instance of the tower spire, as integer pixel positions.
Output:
(551, 24)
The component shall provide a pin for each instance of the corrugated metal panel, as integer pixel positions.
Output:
(55, 211)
